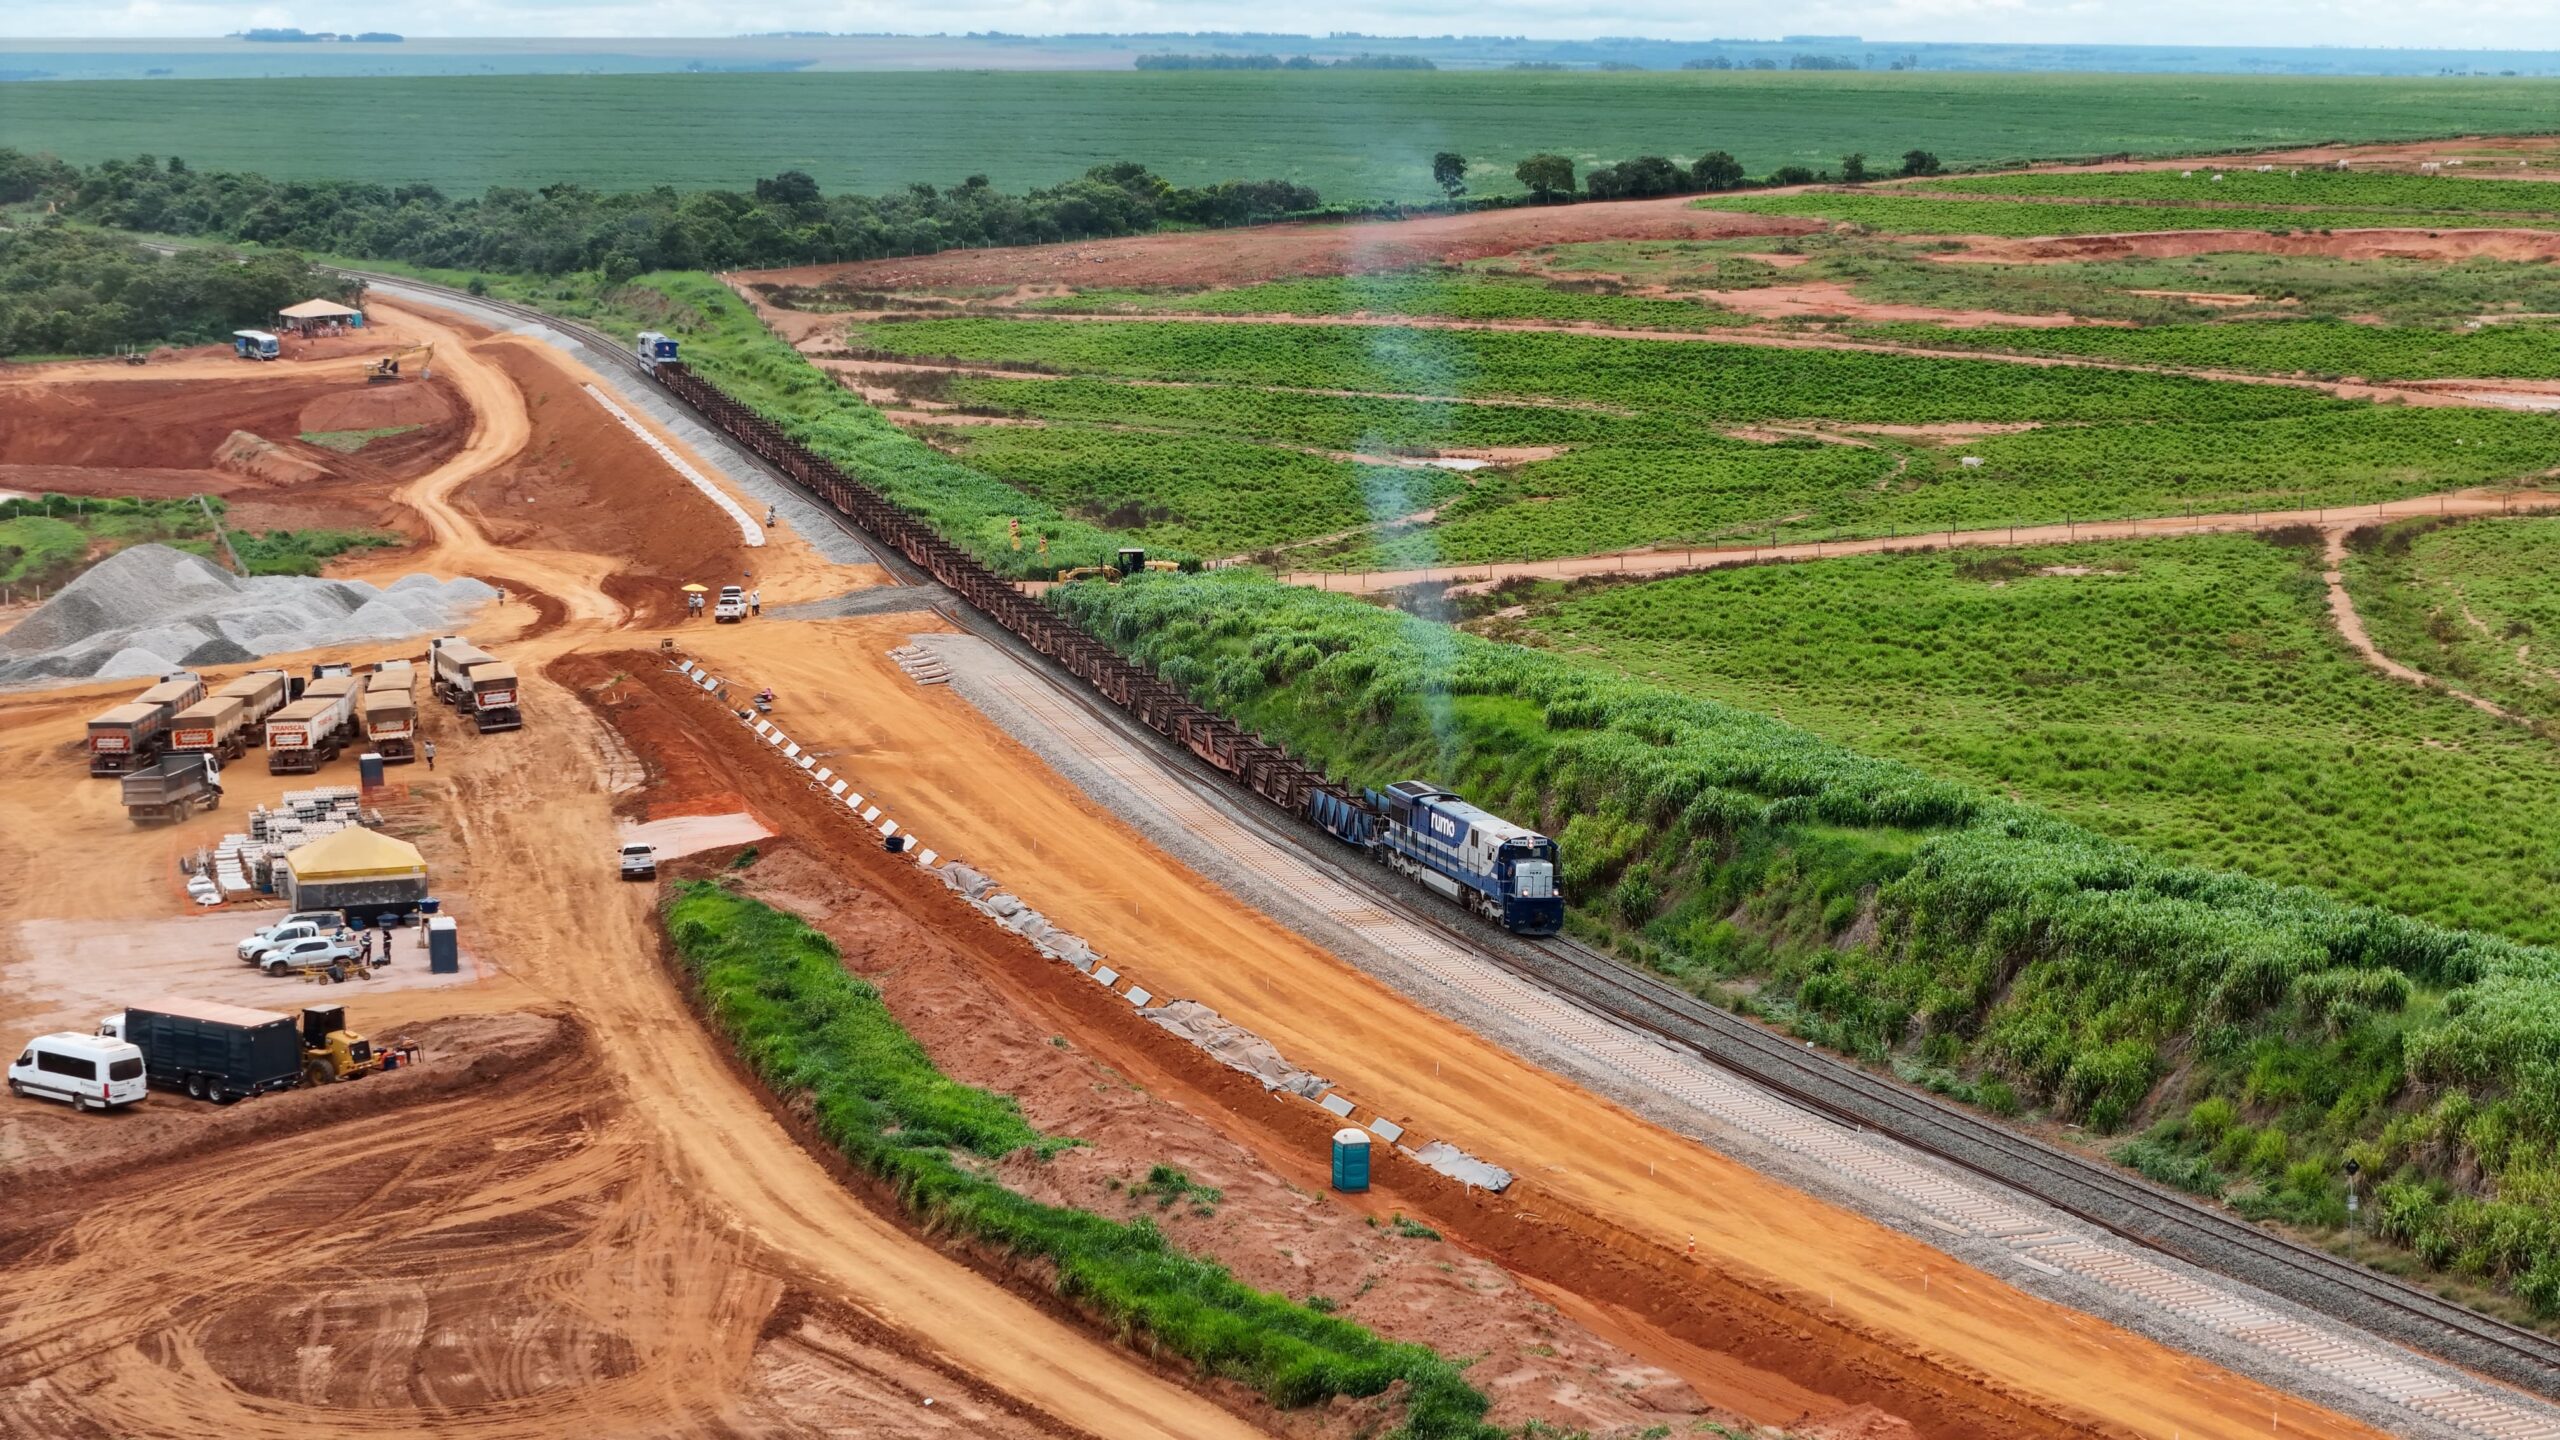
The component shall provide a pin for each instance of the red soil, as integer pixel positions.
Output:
(1272, 252)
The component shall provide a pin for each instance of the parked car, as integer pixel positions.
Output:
(311, 951)
(91, 1072)
(254, 948)
(732, 606)
(639, 862)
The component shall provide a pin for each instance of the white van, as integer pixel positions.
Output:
(90, 1071)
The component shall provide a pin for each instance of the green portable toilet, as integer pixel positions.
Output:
(1351, 1160)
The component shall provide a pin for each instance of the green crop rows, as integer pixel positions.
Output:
(1198, 494)
(2286, 185)
(2471, 602)
(2329, 349)
(1356, 136)
(2020, 219)
(1411, 294)
(1705, 379)
(1665, 474)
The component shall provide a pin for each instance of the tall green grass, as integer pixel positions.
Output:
(1889, 913)
(808, 1027)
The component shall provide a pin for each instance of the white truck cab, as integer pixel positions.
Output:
(91, 1072)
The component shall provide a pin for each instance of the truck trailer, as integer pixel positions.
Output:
(261, 693)
(388, 721)
(175, 692)
(127, 737)
(308, 733)
(173, 788)
(211, 1050)
(475, 683)
(210, 726)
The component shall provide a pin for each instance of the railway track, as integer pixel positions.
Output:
(2090, 1190)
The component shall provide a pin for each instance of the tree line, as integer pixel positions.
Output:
(1362, 61)
(67, 291)
(1550, 178)
(784, 219)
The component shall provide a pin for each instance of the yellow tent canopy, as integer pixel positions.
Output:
(355, 853)
(318, 310)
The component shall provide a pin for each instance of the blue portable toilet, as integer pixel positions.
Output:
(369, 770)
(1351, 1160)
(444, 947)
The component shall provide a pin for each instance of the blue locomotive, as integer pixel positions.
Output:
(1502, 871)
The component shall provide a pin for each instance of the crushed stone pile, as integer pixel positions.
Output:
(149, 609)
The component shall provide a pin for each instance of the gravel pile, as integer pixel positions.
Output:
(150, 609)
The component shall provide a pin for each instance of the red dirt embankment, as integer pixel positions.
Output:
(1740, 1344)
(1273, 252)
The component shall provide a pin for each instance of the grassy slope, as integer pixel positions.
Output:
(1355, 136)
(814, 1031)
(2472, 603)
(1992, 951)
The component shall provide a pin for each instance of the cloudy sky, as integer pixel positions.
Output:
(2498, 24)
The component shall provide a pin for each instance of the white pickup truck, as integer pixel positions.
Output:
(639, 862)
(732, 606)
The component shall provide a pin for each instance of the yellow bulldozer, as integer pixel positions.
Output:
(332, 1052)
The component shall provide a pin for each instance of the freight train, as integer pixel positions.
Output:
(1502, 871)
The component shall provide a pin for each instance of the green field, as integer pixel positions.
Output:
(2470, 602)
(1651, 457)
(1894, 213)
(2463, 192)
(2184, 694)
(1354, 136)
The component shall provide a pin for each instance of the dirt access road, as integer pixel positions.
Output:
(1793, 1291)
(651, 1167)
(673, 1180)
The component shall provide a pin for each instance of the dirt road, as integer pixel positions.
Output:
(2334, 520)
(697, 1206)
(971, 791)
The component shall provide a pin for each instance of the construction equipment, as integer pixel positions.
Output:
(386, 370)
(474, 683)
(173, 788)
(331, 1052)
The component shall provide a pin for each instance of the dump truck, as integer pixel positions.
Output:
(172, 788)
(211, 1050)
(308, 733)
(475, 683)
(210, 726)
(127, 737)
(388, 721)
(261, 693)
